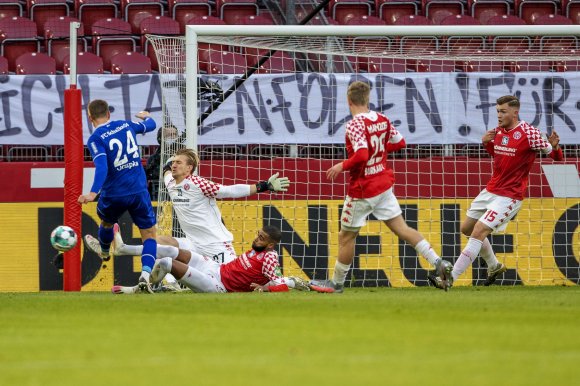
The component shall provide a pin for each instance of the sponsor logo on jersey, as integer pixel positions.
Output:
(504, 140)
(94, 146)
(517, 135)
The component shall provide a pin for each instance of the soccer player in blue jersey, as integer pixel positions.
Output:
(120, 180)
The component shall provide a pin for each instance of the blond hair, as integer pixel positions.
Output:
(191, 157)
(359, 93)
(512, 101)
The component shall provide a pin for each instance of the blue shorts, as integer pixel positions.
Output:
(139, 206)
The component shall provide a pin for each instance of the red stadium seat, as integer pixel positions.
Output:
(365, 20)
(483, 10)
(278, 63)
(225, 62)
(413, 20)
(231, 10)
(382, 65)
(530, 10)
(17, 37)
(134, 11)
(391, 10)
(130, 63)
(342, 10)
(437, 10)
(505, 20)
(10, 8)
(526, 66)
(571, 9)
(432, 65)
(90, 11)
(174, 61)
(87, 63)
(112, 37)
(423, 44)
(57, 39)
(156, 25)
(255, 20)
(183, 10)
(552, 20)
(35, 63)
(204, 48)
(41, 10)
(3, 65)
(460, 20)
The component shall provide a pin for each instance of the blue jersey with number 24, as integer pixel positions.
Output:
(117, 140)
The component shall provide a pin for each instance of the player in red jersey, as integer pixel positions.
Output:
(256, 270)
(513, 146)
(370, 136)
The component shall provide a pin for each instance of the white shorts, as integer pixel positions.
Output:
(356, 210)
(221, 252)
(493, 210)
(207, 274)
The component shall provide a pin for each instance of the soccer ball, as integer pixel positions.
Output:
(63, 238)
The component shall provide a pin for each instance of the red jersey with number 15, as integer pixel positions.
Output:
(370, 131)
(251, 267)
(514, 153)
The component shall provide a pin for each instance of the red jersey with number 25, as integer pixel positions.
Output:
(372, 131)
(251, 267)
(514, 153)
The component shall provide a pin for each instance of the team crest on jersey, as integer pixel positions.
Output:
(504, 140)
(517, 135)
(186, 187)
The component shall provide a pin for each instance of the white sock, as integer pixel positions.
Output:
(340, 271)
(487, 254)
(162, 250)
(467, 257)
(424, 249)
(145, 275)
(167, 251)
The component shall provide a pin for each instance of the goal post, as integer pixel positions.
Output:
(437, 84)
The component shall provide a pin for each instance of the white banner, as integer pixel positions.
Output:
(427, 108)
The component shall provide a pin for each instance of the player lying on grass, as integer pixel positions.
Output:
(256, 270)
(513, 146)
(194, 202)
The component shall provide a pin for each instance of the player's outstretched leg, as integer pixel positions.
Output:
(161, 268)
(443, 270)
(493, 273)
(299, 283)
(327, 286)
(94, 245)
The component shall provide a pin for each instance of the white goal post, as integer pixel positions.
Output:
(438, 84)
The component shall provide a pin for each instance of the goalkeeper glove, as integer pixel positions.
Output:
(167, 166)
(273, 184)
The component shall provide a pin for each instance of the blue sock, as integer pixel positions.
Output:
(106, 236)
(148, 255)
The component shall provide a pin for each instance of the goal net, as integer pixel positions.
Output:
(256, 100)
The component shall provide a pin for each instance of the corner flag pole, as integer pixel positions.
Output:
(73, 167)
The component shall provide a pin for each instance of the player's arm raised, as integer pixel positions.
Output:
(556, 154)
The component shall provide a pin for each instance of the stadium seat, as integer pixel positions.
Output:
(112, 37)
(10, 8)
(365, 20)
(423, 44)
(156, 25)
(483, 10)
(437, 10)
(57, 41)
(87, 63)
(505, 20)
(460, 20)
(255, 20)
(571, 9)
(342, 10)
(530, 10)
(552, 20)
(17, 37)
(174, 62)
(204, 48)
(381, 65)
(35, 63)
(90, 11)
(3, 65)
(224, 62)
(431, 65)
(391, 10)
(183, 10)
(134, 11)
(130, 63)
(413, 20)
(278, 63)
(41, 10)
(231, 10)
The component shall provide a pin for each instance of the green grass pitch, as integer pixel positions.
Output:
(416, 336)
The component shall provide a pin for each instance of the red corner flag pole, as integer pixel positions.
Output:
(73, 167)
